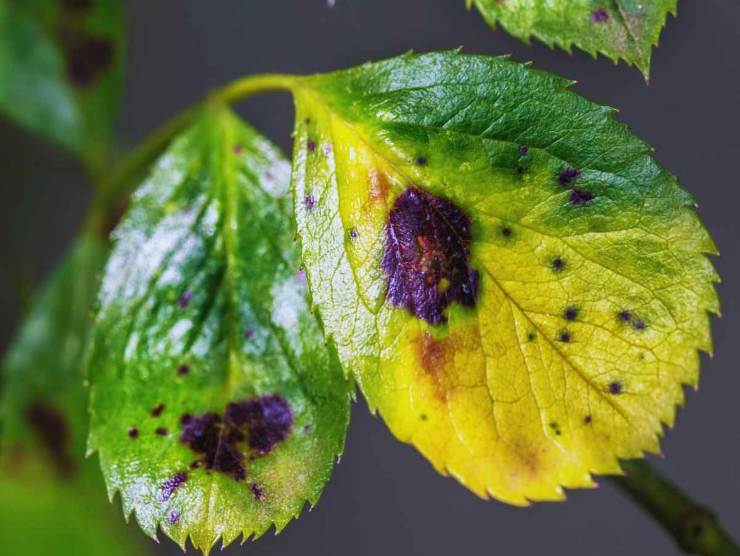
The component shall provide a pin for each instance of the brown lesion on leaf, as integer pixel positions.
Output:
(435, 355)
(379, 188)
(50, 427)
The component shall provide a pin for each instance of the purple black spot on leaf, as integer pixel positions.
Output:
(251, 427)
(600, 15)
(170, 486)
(558, 264)
(568, 176)
(580, 196)
(157, 410)
(615, 387)
(427, 256)
(309, 202)
(182, 370)
(257, 492)
(185, 299)
(133, 433)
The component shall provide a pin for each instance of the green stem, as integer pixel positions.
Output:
(695, 528)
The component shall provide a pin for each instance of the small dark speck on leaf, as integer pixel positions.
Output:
(307, 121)
(580, 196)
(638, 324)
(133, 433)
(248, 333)
(523, 150)
(506, 231)
(564, 336)
(311, 145)
(257, 492)
(185, 299)
(625, 316)
(309, 202)
(615, 387)
(157, 410)
(161, 431)
(571, 313)
(558, 264)
(531, 336)
(182, 370)
(173, 518)
(555, 426)
(353, 233)
(587, 420)
(568, 175)
(600, 15)
(423, 417)
(421, 161)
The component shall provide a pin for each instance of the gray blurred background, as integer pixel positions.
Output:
(384, 498)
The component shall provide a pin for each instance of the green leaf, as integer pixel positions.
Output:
(61, 69)
(515, 283)
(51, 497)
(619, 29)
(217, 409)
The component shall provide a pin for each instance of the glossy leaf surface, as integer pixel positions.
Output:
(619, 29)
(61, 69)
(52, 500)
(217, 409)
(515, 283)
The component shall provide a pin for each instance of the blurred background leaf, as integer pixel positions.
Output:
(61, 70)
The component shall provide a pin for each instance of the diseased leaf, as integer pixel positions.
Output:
(61, 69)
(619, 29)
(51, 498)
(514, 282)
(217, 409)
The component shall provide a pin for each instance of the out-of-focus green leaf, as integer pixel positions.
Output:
(61, 69)
(52, 500)
(217, 409)
(619, 29)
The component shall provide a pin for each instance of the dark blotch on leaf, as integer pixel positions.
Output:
(133, 433)
(580, 196)
(261, 423)
(568, 175)
(421, 161)
(268, 420)
(427, 256)
(161, 431)
(615, 387)
(523, 150)
(558, 264)
(309, 202)
(86, 56)
(171, 485)
(311, 145)
(353, 234)
(531, 336)
(638, 324)
(506, 232)
(173, 518)
(564, 336)
(625, 316)
(157, 410)
(50, 427)
(182, 370)
(600, 15)
(587, 420)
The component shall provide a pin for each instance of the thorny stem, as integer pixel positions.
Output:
(694, 528)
